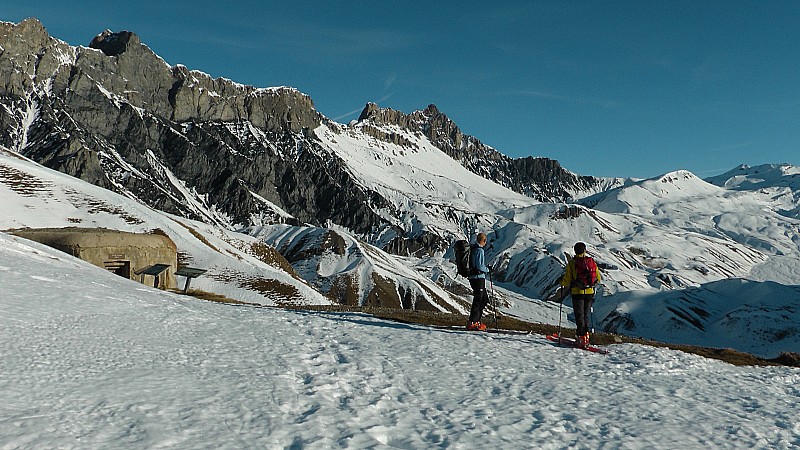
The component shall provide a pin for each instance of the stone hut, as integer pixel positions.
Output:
(151, 259)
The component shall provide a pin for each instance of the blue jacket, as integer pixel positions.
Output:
(478, 262)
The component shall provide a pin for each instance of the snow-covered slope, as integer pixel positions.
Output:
(780, 183)
(356, 273)
(755, 317)
(36, 197)
(417, 172)
(90, 360)
(759, 177)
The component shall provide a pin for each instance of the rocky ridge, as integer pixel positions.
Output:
(120, 117)
(541, 178)
(117, 115)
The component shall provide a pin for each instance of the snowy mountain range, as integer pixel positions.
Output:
(365, 213)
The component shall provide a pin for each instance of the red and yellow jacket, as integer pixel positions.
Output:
(570, 275)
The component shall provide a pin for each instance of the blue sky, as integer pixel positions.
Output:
(629, 89)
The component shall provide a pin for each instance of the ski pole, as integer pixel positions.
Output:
(494, 300)
(560, 305)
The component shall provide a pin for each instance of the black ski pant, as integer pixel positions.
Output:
(479, 299)
(582, 306)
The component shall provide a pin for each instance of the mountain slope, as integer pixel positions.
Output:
(779, 182)
(755, 317)
(540, 178)
(244, 267)
(238, 266)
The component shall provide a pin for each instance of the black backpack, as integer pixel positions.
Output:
(463, 253)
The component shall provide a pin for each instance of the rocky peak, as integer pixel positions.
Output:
(385, 116)
(28, 28)
(540, 178)
(29, 57)
(114, 44)
(431, 110)
(430, 122)
(24, 37)
(369, 111)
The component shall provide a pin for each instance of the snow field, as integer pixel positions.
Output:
(90, 360)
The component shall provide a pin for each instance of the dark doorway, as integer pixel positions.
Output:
(121, 268)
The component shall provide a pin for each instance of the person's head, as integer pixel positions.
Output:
(481, 239)
(579, 248)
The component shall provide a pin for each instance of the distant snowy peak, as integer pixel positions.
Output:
(649, 195)
(680, 183)
(758, 177)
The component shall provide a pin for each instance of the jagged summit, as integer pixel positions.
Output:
(114, 44)
(29, 27)
(369, 110)
(373, 112)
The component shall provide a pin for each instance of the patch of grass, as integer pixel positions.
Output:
(23, 183)
(184, 259)
(212, 297)
(97, 206)
(272, 257)
(276, 291)
(199, 236)
(344, 290)
(788, 359)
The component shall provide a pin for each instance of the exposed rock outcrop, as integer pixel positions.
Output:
(119, 116)
(114, 44)
(541, 178)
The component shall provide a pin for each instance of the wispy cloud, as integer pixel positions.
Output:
(358, 111)
(348, 114)
(389, 81)
(607, 103)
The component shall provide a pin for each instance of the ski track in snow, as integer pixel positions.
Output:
(101, 362)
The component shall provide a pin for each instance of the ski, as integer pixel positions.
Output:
(461, 328)
(488, 330)
(571, 343)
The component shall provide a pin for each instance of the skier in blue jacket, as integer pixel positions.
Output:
(477, 280)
